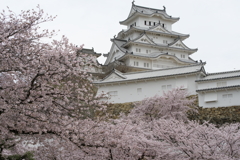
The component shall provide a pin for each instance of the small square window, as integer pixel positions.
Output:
(164, 87)
(139, 90)
(182, 55)
(135, 63)
(113, 93)
(138, 50)
(169, 87)
(227, 96)
(224, 96)
(165, 41)
(221, 84)
(146, 65)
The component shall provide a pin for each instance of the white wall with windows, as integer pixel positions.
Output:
(147, 22)
(138, 90)
(141, 63)
(162, 40)
(222, 98)
(164, 63)
(132, 36)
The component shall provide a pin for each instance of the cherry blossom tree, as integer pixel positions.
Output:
(135, 136)
(173, 104)
(43, 86)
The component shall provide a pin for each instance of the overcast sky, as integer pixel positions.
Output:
(213, 25)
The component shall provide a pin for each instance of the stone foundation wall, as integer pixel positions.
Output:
(218, 115)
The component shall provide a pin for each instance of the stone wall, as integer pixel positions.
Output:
(114, 110)
(218, 115)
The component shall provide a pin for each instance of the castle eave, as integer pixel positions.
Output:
(219, 88)
(137, 14)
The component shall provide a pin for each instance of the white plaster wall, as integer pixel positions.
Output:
(132, 21)
(179, 53)
(132, 36)
(164, 63)
(140, 62)
(141, 22)
(159, 39)
(128, 92)
(221, 102)
(127, 62)
(143, 49)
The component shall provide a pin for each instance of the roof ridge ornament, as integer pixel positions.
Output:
(164, 8)
(133, 2)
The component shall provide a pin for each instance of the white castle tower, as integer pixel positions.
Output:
(149, 42)
(149, 58)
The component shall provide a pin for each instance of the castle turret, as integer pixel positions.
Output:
(149, 42)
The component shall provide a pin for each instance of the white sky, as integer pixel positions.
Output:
(213, 25)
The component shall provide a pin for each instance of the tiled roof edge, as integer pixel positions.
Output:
(149, 77)
(218, 88)
(223, 72)
(212, 79)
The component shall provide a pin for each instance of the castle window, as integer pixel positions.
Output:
(113, 93)
(210, 97)
(165, 41)
(182, 55)
(149, 23)
(227, 96)
(221, 84)
(138, 50)
(154, 23)
(146, 65)
(139, 90)
(179, 45)
(167, 87)
(164, 87)
(145, 22)
(135, 63)
(148, 51)
(163, 25)
(134, 24)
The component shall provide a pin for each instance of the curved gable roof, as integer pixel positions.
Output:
(178, 43)
(146, 11)
(141, 39)
(116, 43)
(159, 55)
(154, 30)
(160, 28)
(114, 75)
(161, 73)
